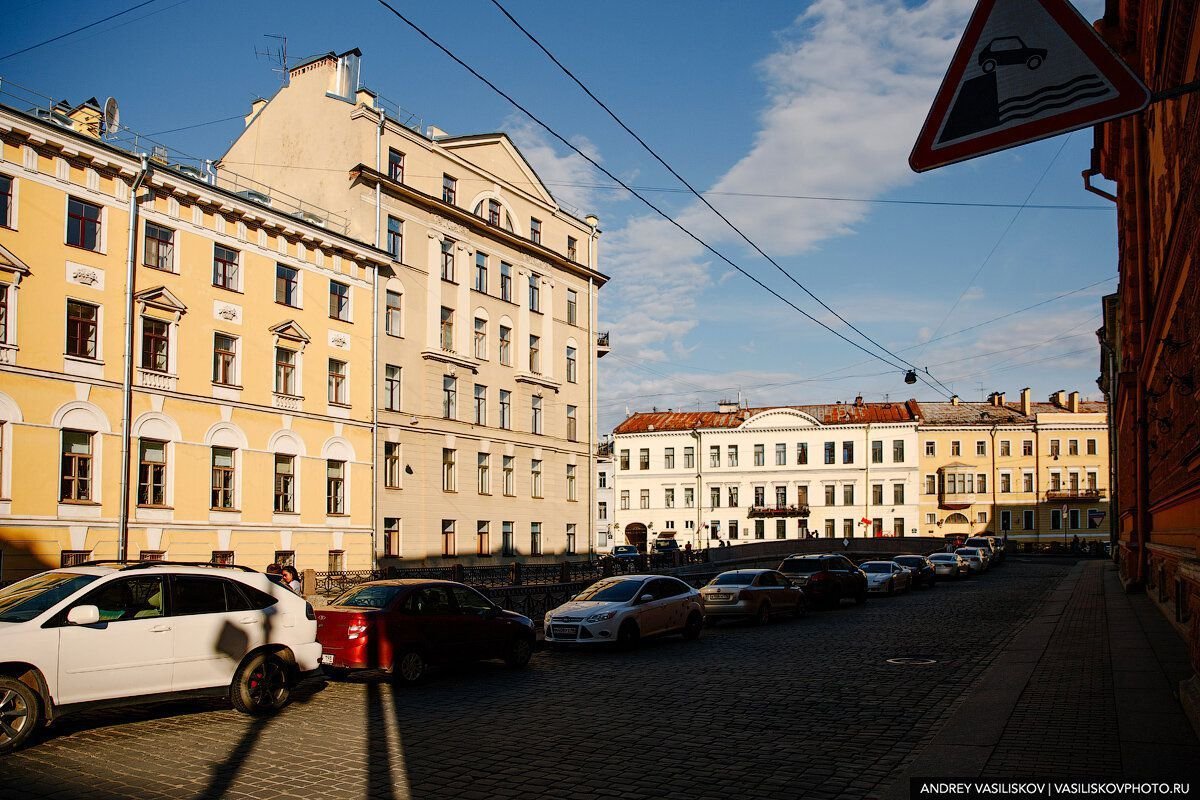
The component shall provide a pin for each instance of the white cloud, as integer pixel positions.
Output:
(567, 176)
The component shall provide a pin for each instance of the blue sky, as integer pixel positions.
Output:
(769, 98)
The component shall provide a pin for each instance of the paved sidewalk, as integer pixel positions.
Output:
(1084, 690)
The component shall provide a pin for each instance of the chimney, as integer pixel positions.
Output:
(954, 400)
(998, 399)
(364, 97)
(343, 82)
(1073, 402)
(1059, 398)
(858, 401)
(1026, 406)
(256, 105)
(727, 407)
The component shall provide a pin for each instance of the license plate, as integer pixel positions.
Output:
(718, 597)
(327, 658)
(565, 631)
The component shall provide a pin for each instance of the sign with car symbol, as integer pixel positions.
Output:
(1024, 70)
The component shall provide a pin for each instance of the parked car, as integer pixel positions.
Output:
(666, 544)
(403, 626)
(1010, 50)
(976, 559)
(826, 578)
(949, 565)
(988, 545)
(625, 552)
(117, 633)
(751, 593)
(626, 609)
(923, 572)
(886, 576)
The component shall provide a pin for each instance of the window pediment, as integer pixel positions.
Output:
(292, 332)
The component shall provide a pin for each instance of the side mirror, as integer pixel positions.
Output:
(83, 615)
(646, 598)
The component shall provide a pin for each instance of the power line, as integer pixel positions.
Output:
(77, 30)
(692, 189)
(197, 125)
(625, 186)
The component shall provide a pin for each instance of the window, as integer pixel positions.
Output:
(225, 267)
(572, 366)
(391, 465)
(980, 483)
(669, 458)
(760, 455)
(83, 224)
(930, 484)
(287, 286)
(1027, 447)
(930, 519)
(535, 414)
(535, 538)
(159, 249)
(572, 432)
(877, 494)
(391, 387)
(572, 307)
(830, 495)
(6, 201)
(483, 473)
(733, 496)
(493, 212)
(877, 451)
(644, 498)
(624, 459)
(829, 453)
(481, 270)
(760, 529)
(981, 447)
(480, 404)
(781, 529)
(152, 473)
(733, 531)
(285, 371)
(222, 558)
(780, 455)
(668, 498)
(760, 495)
(155, 344)
(780, 496)
(339, 301)
(335, 487)
(6, 336)
(644, 458)
(447, 329)
(1072, 447)
(535, 477)
(395, 238)
(1091, 447)
(1005, 482)
(1055, 481)
(897, 451)
(714, 456)
(624, 499)
(535, 355)
(602, 479)
(1055, 447)
(447, 259)
(224, 359)
(222, 478)
(689, 497)
(535, 292)
(570, 538)
(602, 510)
(931, 448)
(848, 494)
(449, 471)
(506, 409)
(507, 546)
(535, 230)
(481, 338)
(847, 452)
(508, 476)
(714, 497)
(449, 396)
(1027, 519)
(848, 528)
(285, 484)
(898, 526)
(449, 189)
(81, 329)
(1073, 519)
(572, 248)
(898, 494)
(1006, 520)
(1056, 519)
(483, 543)
(956, 448)
(449, 545)
(285, 558)
(801, 453)
(506, 281)
(396, 165)
(338, 375)
(689, 458)
(571, 483)
(506, 346)
(1005, 448)
(1092, 481)
(731, 455)
(393, 308)
(1027, 482)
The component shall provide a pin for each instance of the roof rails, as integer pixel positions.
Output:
(129, 563)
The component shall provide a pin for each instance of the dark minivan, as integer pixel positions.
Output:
(826, 578)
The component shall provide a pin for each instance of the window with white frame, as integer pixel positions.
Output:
(225, 349)
(483, 473)
(572, 365)
(448, 259)
(535, 423)
(152, 473)
(449, 397)
(285, 371)
(506, 409)
(449, 470)
(508, 470)
(339, 382)
(391, 465)
(226, 268)
(158, 249)
(447, 329)
(82, 329)
(76, 472)
(535, 477)
(481, 338)
(571, 483)
(392, 314)
(481, 272)
(391, 387)
(480, 404)
(285, 484)
(223, 478)
(572, 307)
(84, 224)
(572, 432)
(335, 488)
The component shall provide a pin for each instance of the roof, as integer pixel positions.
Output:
(985, 414)
(827, 414)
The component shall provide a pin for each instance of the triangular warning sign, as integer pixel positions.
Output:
(1024, 70)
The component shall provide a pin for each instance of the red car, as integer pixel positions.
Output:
(404, 626)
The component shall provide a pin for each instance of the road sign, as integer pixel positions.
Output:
(1024, 70)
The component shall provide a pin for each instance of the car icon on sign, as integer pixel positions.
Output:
(1006, 50)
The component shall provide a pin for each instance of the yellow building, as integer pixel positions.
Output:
(1036, 472)
(487, 334)
(249, 417)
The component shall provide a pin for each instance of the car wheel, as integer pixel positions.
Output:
(763, 616)
(20, 713)
(410, 667)
(520, 650)
(1034, 62)
(989, 65)
(629, 635)
(261, 685)
(695, 623)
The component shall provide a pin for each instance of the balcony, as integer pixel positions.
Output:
(1083, 495)
(602, 347)
(287, 402)
(955, 501)
(156, 380)
(778, 511)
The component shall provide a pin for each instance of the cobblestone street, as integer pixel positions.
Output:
(800, 707)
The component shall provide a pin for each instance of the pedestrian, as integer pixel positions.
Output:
(291, 578)
(687, 547)
(274, 569)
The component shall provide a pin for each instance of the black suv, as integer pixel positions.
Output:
(923, 573)
(826, 578)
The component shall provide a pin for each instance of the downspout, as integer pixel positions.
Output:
(375, 362)
(995, 478)
(699, 482)
(867, 481)
(592, 221)
(127, 380)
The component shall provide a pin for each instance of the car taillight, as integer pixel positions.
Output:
(356, 629)
(309, 612)
(818, 576)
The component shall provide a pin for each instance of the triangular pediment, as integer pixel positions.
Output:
(163, 298)
(10, 263)
(495, 153)
(290, 330)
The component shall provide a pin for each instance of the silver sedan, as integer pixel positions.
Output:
(886, 576)
(755, 594)
(949, 565)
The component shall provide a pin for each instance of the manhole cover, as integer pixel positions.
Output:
(912, 662)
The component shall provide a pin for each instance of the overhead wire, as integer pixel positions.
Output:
(53, 39)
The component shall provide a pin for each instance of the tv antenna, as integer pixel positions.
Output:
(276, 55)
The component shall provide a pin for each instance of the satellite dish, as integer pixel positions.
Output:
(112, 115)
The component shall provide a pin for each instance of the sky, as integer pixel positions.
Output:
(762, 106)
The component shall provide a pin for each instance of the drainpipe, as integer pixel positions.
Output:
(867, 481)
(995, 478)
(375, 363)
(592, 221)
(699, 482)
(127, 380)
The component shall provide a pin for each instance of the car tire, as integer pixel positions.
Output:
(1034, 62)
(628, 635)
(261, 685)
(410, 667)
(519, 652)
(989, 66)
(763, 615)
(695, 624)
(20, 713)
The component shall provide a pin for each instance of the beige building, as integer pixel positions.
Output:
(1037, 472)
(485, 380)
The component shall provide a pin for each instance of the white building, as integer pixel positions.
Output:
(605, 498)
(742, 474)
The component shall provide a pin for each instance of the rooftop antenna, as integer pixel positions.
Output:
(276, 55)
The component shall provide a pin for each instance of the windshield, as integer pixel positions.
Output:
(978, 543)
(625, 548)
(610, 591)
(27, 599)
(877, 566)
(369, 596)
(966, 551)
(794, 565)
(733, 579)
(944, 557)
(909, 561)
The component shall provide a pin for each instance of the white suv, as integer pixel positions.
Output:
(100, 633)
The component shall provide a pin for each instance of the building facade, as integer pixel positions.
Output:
(1034, 472)
(605, 498)
(487, 338)
(746, 474)
(246, 331)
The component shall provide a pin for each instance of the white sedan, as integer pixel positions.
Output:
(625, 609)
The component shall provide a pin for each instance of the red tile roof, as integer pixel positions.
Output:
(829, 414)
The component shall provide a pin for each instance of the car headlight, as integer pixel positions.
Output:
(603, 615)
